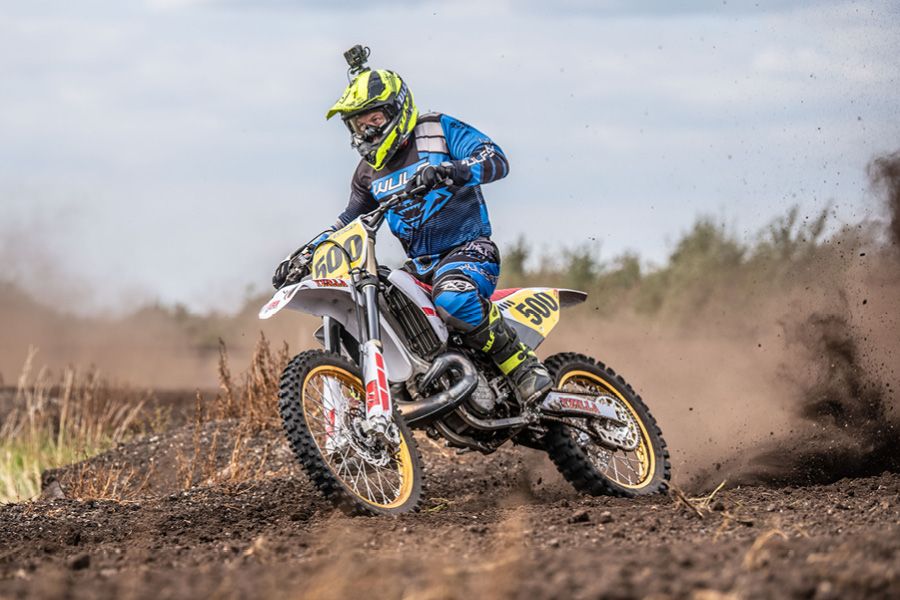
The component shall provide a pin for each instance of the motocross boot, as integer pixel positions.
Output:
(496, 338)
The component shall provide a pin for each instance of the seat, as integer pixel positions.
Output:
(501, 294)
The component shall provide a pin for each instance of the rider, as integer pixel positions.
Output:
(446, 233)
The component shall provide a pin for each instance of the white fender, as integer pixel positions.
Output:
(334, 298)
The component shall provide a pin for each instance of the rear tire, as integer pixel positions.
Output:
(344, 476)
(581, 464)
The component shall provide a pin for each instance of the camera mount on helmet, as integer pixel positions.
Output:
(356, 57)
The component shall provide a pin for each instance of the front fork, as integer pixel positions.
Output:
(378, 392)
(379, 405)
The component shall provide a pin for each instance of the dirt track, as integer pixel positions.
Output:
(498, 526)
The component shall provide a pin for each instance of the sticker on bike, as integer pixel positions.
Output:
(340, 252)
(535, 308)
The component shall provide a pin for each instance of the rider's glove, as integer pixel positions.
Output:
(281, 273)
(291, 270)
(453, 173)
(299, 261)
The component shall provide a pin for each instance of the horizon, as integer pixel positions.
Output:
(553, 264)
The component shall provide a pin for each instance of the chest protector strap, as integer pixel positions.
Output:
(429, 135)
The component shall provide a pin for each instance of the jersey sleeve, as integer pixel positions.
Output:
(361, 198)
(484, 158)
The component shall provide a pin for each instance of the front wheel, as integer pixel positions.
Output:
(594, 468)
(322, 403)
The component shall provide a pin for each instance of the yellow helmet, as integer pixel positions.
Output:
(372, 90)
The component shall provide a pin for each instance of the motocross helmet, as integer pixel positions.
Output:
(371, 90)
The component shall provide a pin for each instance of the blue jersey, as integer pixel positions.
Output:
(448, 216)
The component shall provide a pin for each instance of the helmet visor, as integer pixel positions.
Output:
(369, 126)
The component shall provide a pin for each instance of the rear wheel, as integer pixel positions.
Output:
(596, 468)
(322, 403)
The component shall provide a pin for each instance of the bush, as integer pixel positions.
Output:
(708, 264)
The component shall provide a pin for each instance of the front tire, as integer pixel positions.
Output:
(321, 396)
(595, 469)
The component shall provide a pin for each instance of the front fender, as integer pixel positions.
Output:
(334, 298)
(285, 295)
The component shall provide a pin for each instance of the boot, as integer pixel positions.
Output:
(496, 338)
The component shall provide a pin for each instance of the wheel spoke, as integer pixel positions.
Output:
(615, 470)
(384, 497)
(365, 478)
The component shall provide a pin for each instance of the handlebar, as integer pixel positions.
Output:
(301, 257)
(371, 218)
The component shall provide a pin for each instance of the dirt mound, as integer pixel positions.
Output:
(204, 455)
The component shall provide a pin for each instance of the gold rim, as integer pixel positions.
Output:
(386, 487)
(637, 466)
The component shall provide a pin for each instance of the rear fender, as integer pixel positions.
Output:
(534, 312)
(335, 298)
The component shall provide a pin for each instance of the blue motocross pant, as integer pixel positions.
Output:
(463, 281)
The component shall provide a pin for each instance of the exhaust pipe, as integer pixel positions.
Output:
(441, 403)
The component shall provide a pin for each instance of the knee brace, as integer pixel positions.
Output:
(458, 302)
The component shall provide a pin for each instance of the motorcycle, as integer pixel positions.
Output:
(389, 365)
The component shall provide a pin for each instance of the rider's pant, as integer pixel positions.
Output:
(463, 282)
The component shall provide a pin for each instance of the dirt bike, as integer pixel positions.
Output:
(390, 364)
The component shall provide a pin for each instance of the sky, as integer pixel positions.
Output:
(176, 150)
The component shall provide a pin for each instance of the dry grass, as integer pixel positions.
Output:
(681, 498)
(58, 420)
(66, 419)
(89, 481)
(226, 433)
(252, 399)
(702, 507)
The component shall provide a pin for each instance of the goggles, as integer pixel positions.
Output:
(367, 132)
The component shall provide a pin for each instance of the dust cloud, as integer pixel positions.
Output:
(155, 347)
(161, 347)
(831, 403)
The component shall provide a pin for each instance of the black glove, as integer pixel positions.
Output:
(291, 270)
(454, 173)
(281, 274)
